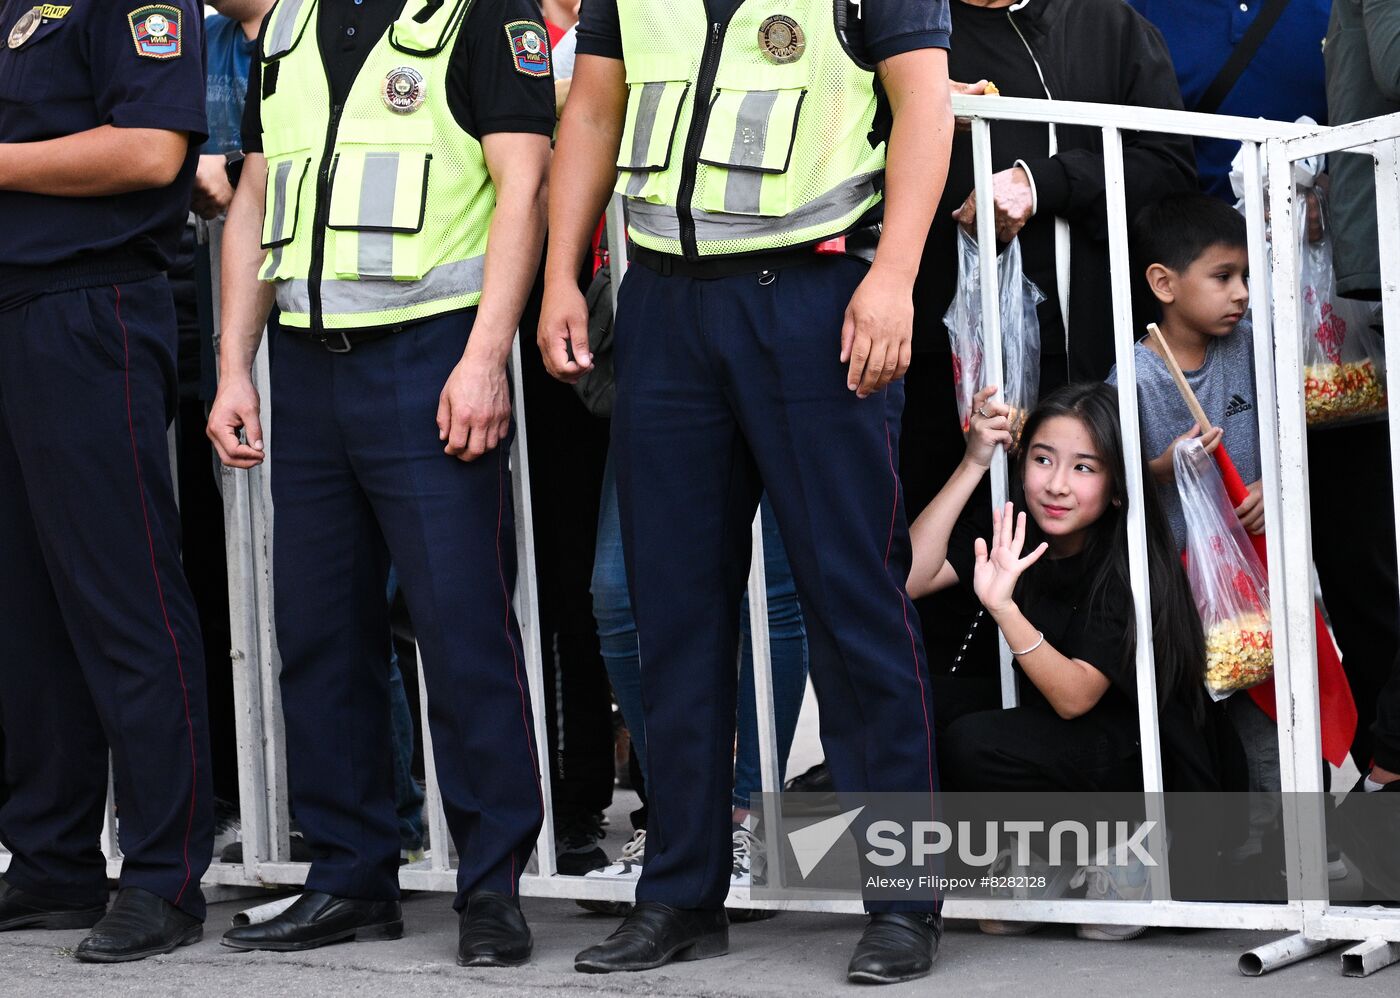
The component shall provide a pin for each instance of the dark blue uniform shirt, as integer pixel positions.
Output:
(877, 29)
(126, 63)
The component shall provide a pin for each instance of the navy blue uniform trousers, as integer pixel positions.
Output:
(100, 646)
(359, 477)
(727, 387)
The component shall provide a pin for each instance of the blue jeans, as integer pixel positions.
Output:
(617, 635)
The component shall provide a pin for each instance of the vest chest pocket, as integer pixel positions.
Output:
(379, 202)
(747, 150)
(283, 202)
(648, 135)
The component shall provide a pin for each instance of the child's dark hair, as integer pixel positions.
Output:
(1177, 229)
(1178, 642)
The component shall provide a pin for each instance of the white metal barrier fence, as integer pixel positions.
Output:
(1270, 148)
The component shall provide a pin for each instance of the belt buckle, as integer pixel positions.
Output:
(344, 346)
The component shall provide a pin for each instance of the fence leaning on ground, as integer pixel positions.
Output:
(1270, 149)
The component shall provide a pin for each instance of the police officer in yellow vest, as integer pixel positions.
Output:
(761, 335)
(392, 205)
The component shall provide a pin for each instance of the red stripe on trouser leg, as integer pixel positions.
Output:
(904, 608)
(160, 592)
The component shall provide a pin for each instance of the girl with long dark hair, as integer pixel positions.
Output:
(1056, 584)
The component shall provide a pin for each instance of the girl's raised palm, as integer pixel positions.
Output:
(994, 577)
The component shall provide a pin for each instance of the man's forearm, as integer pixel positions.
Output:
(917, 159)
(512, 259)
(584, 167)
(244, 300)
(128, 159)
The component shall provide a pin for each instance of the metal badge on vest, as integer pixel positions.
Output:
(404, 90)
(781, 39)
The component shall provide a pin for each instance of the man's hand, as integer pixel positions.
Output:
(878, 331)
(236, 406)
(976, 89)
(1251, 511)
(1011, 193)
(1163, 466)
(212, 191)
(474, 409)
(563, 332)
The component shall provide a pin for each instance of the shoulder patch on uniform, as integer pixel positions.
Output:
(155, 29)
(529, 47)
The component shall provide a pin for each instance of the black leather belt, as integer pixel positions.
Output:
(342, 340)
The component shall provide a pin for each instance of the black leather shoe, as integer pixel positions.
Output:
(895, 947)
(20, 910)
(492, 932)
(140, 924)
(655, 934)
(318, 919)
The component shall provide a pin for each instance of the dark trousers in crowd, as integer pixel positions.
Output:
(1353, 534)
(201, 505)
(568, 451)
(359, 475)
(101, 648)
(726, 387)
(206, 570)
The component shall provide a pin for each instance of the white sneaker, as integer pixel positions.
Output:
(629, 860)
(748, 856)
(1113, 883)
(628, 867)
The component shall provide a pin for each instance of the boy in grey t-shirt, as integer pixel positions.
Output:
(1224, 385)
(1199, 273)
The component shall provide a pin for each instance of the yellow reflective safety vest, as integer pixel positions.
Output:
(377, 210)
(747, 135)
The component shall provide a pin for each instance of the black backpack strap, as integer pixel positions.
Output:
(1230, 73)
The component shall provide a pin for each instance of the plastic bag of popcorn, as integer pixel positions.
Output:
(1227, 579)
(1343, 358)
(1020, 332)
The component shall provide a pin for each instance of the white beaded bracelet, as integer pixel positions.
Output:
(1038, 642)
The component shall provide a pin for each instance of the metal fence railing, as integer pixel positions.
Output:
(1270, 148)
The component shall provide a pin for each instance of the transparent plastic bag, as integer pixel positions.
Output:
(1227, 579)
(1343, 358)
(1020, 332)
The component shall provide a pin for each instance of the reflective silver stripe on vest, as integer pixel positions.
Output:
(279, 212)
(378, 186)
(647, 105)
(284, 32)
(451, 280)
(662, 222)
(744, 185)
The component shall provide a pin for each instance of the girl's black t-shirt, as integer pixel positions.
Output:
(1059, 601)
